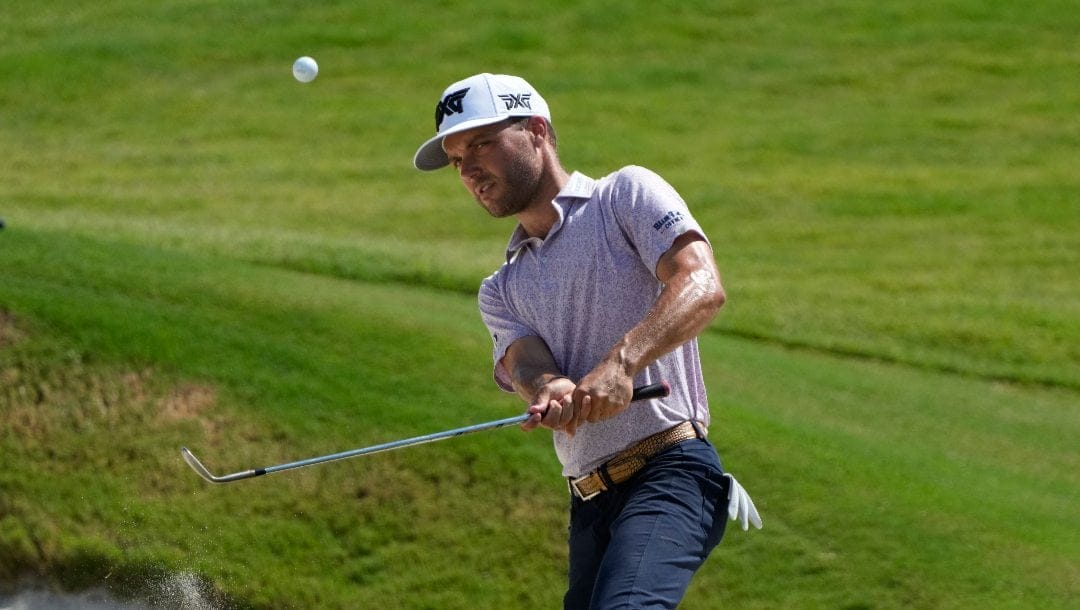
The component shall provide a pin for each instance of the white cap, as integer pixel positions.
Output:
(479, 100)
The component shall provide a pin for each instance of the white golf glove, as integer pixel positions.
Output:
(740, 506)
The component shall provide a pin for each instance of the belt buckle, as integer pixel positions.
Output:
(585, 497)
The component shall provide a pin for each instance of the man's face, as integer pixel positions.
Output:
(499, 164)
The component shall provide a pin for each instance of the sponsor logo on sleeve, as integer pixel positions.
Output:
(669, 220)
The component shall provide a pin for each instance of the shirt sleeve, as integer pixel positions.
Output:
(503, 327)
(651, 213)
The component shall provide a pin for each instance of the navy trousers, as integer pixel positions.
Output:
(639, 544)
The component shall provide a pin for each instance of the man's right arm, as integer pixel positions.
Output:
(537, 379)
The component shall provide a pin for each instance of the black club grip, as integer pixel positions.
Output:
(655, 390)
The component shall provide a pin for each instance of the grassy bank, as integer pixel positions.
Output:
(202, 251)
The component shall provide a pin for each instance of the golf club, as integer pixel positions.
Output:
(656, 390)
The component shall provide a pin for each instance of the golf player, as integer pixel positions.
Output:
(606, 285)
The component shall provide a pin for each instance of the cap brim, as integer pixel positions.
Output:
(431, 155)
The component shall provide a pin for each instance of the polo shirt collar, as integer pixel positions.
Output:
(579, 186)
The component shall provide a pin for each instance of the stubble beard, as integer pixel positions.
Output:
(521, 187)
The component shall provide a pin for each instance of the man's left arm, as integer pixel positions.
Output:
(691, 297)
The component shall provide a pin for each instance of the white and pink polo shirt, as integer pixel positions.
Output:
(583, 286)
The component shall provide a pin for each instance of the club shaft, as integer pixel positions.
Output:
(656, 390)
(417, 440)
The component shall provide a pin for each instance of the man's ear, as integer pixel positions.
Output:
(539, 127)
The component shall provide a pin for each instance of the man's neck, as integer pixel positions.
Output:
(538, 218)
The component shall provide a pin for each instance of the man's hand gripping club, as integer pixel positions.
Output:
(560, 404)
(645, 392)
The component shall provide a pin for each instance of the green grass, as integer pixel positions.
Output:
(202, 251)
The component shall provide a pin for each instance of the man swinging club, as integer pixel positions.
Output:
(606, 285)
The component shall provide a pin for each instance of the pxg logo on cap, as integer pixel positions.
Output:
(479, 100)
(451, 104)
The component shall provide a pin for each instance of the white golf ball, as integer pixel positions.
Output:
(305, 69)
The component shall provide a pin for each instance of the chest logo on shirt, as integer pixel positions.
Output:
(669, 220)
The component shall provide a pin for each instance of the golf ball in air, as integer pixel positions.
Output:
(305, 69)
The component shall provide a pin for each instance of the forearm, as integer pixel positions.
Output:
(537, 379)
(530, 365)
(691, 297)
(681, 312)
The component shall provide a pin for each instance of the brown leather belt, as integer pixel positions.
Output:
(626, 464)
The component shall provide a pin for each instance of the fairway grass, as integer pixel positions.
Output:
(201, 251)
(882, 485)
